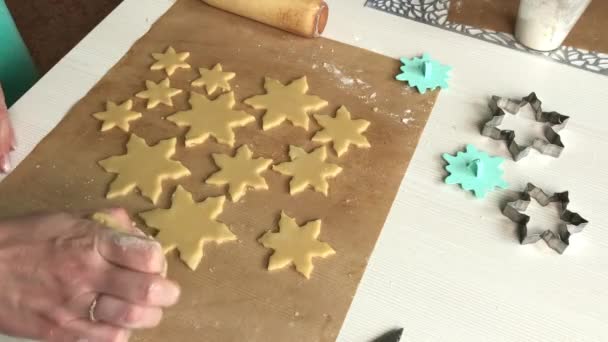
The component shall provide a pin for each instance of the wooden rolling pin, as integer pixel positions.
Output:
(303, 17)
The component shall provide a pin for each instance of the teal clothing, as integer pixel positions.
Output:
(17, 71)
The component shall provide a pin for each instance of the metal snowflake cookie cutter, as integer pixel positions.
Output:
(475, 171)
(552, 145)
(571, 222)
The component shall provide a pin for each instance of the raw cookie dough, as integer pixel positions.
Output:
(170, 61)
(215, 118)
(117, 116)
(308, 169)
(342, 131)
(214, 79)
(108, 221)
(239, 172)
(158, 93)
(144, 167)
(286, 102)
(187, 225)
(294, 244)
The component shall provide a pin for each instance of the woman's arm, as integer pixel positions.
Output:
(7, 137)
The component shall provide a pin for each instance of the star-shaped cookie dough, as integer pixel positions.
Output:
(342, 131)
(239, 172)
(158, 93)
(187, 225)
(215, 118)
(214, 79)
(286, 102)
(117, 116)
(170, 61)
(308, 169)
(295, 245)
(143, 167)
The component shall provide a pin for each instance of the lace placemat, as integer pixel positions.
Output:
(435, 12)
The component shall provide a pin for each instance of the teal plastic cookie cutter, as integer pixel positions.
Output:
(475, 170)
(17, 70)
(424, 73)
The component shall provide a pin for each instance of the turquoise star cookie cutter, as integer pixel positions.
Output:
(475, 170)
(424, 73)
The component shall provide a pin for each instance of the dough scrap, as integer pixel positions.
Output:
(187, 225)
(286, 102)
(144, 167)
(239, 172)
(108, 221)
(295, 245)
(158, 93)
(308, 169)
(215, 118)
(117, 116)
(214, 79)
(170, 60)
(342, 131)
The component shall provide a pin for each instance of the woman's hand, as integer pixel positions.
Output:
(63, 278)
(7, 137)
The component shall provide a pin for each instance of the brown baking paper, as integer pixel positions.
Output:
(231, 296)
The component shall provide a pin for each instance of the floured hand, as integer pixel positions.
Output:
(7, 137)
(70, 279)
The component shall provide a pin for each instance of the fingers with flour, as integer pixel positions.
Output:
(144, 257)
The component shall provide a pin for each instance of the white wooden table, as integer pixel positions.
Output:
(447, 267)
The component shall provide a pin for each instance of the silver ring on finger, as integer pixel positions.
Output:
(92, 309)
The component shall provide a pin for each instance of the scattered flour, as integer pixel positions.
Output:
(407, 120)
(344, 79)
(347, 81)
(338, 74)
(131, 241)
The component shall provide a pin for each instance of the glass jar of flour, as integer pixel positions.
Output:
(544, 24)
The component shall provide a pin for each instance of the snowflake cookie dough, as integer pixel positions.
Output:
(214, 79)
(308, 169)
(158, 93)
(211, 118)
(117, 116)
(239, 172)
(295, 245)
(342, 131)
(187, 225)
(170, 61)
(143, 167)
(286, 102)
